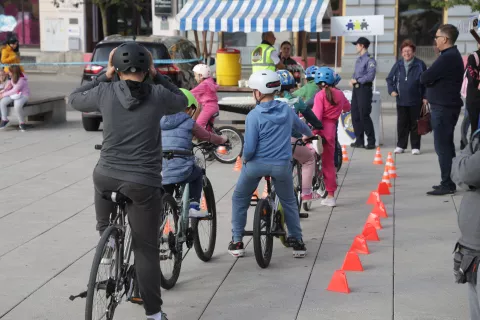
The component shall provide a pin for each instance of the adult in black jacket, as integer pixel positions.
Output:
(444, 82)
(403, 82)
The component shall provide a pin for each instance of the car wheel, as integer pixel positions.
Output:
(90, 124)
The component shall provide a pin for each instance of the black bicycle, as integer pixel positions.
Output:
(225, 154)
(178, 229)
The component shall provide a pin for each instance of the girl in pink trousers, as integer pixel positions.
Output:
(206, 94)
(328, 105)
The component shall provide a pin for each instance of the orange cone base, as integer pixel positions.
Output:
(359, 245)
(383, 189)
(380, 210)
(370, 233)
(339, 282)
(352, 262)
(374, 220)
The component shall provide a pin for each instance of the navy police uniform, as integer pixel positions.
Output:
(364, 74)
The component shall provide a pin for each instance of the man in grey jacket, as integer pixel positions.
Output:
(466, 173)
(131, 157)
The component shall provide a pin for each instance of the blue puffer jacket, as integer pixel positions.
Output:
(177, 135)
(410, 90)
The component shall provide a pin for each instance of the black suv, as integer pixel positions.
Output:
(161, 48)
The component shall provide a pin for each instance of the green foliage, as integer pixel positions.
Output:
(473, 4)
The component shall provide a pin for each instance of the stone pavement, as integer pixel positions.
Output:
(47, 237)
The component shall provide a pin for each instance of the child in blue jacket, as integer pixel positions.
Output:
(268, 152)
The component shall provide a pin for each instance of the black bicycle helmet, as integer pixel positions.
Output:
(131, 56)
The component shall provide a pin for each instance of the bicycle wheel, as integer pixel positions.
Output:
(261, 228)
(235, 150)
(170, 256)
(207, 225)
(339, 155)
(297, 183)
(104, 276)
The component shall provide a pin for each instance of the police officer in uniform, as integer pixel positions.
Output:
(265, 57)
(362, 83)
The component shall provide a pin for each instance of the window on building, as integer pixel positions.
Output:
(418, 21)
(26, 13)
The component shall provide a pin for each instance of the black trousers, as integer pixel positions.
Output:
(407, 117)
(144, 217)
(473, 114)
(444, 119)
(361, 109)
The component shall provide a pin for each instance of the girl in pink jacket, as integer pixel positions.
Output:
(328, 105)
(206, 94)
(16, 92)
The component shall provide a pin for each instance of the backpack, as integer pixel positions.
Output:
(463, 91)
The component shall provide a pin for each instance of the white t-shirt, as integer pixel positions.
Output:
(274, 57)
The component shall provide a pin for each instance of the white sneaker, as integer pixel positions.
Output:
(398, 150)
(415, 151)
(329, 202)
(195, 211)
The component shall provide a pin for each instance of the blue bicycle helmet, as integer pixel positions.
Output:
(337, 79)
(310, 72)
(286, 79)
(326, 75)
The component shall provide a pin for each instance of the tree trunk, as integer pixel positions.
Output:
(103, 13)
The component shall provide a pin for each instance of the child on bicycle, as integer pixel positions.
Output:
(305, 155)
(328, 105)
(206, 94)
(178, 159)
(268, 152)
(309, 90)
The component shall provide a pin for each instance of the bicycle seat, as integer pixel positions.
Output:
(116, 197)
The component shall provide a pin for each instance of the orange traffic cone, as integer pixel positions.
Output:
(389, 159)
(167, 228)
(380, 210)
(392, 172)
(339, 282)
(374, 198)
(359, 245)
(374, 220)
(383, 189)
(386, 178)
(344, 154)
(370, 233)
(238, 164)
(378, 157)
(203, 204)
(352, 262)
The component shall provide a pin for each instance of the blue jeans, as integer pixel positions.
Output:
(444, 120)
(248, 181)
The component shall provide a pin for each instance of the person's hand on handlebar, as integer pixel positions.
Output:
(309, 139)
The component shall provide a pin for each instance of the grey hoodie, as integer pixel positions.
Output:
(132, 142)
(466, 173)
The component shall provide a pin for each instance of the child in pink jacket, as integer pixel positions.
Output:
(328, 105)
(206, 94)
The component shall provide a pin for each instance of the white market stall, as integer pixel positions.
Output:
(359, 26)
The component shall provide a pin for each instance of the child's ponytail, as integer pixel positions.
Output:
(329, 94)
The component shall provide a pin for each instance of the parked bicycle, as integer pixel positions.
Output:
(224, 154)
(178, 230)
(269, 222)
(111, 275)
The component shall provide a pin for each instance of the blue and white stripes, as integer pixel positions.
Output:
(253, 15)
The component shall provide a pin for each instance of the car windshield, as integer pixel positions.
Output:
(102, 52)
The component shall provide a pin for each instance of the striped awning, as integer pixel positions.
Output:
(253, 15)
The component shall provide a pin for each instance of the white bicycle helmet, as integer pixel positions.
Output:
(203, 70)
(265, 81)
